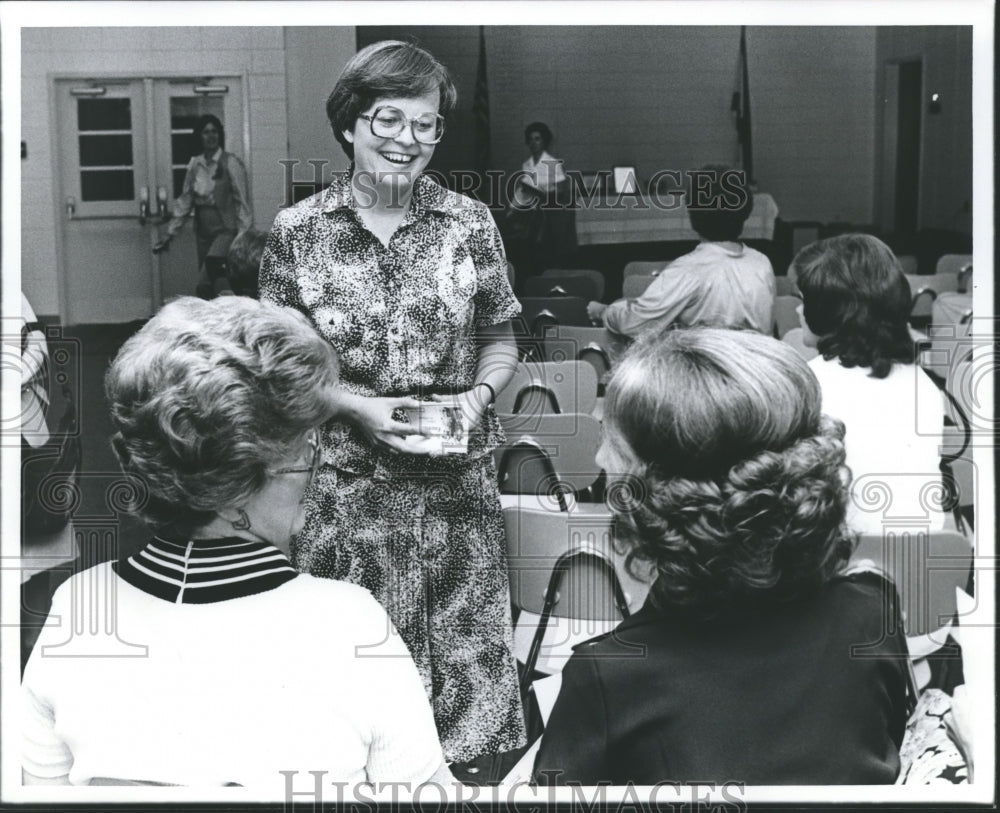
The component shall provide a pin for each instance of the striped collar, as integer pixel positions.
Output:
(205, 571)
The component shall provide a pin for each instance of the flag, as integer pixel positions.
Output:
(481, 112)
(741, 107)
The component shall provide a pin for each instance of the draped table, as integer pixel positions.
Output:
(635, 219)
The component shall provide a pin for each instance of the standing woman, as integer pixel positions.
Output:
(408, 282)
(541, 224)
(215, 187)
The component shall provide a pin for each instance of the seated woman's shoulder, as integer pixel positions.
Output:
(335, 590)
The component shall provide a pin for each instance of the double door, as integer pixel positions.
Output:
(124, 145)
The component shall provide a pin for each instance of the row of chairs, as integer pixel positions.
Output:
(951, 274)
(570, 582)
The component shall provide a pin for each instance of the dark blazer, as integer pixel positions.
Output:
(809, 693)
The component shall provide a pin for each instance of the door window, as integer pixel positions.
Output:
(106, 158)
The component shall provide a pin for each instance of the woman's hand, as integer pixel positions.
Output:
(162, 245)
(595, 310)
(374, 417)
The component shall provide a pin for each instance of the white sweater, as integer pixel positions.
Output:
(893, 436)
(306, 676)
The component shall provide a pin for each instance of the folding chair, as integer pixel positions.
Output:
(596, 345)
(549, 456)
(644, 268)
(924, 293)
(786, 286)
(952, 263)
(563, 566)
(635, 286)
(957, 467)
(549, 386)
(786, 314)
(583, 287)
(541, 312)
(926, 567)
(594, 276)
(965, 279)
(908, 263)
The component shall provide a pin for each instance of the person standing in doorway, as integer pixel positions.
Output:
(216, 190)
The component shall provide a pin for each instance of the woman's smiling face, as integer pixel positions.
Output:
(397, 160)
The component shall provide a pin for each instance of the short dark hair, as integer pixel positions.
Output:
(857, 301)
(736, 489)
(203, 122)
(386, 69)
(719, 210)
(542, 129)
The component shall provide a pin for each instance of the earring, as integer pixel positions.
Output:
(243, 523)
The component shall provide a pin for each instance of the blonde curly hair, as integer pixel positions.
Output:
(736, 490)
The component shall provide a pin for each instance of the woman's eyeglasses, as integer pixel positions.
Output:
(314, 464)
(389, 122)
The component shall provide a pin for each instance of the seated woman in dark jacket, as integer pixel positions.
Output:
(756, 659)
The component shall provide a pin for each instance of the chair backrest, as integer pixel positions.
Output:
(539, 541)
(785, 286)
(926, 567)
(593, 275)
(922, 306)
(643, 268)
(569, 441)
(908, 263)
(965, 279)
(549, 386)
(952, 263)
(945, 282)
(595, 345)
(794, 338)
(561, 310)
(635, 286)
(583, 287)
(526, 467)
(925, 290)
(786, 314)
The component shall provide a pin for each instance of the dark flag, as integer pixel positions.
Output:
(481, 113)
(741, 107)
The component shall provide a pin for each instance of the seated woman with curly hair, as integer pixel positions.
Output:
(756, 658)
(222, 665)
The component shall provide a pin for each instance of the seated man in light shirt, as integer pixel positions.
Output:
(722, 283)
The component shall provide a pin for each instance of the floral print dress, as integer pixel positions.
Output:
(424, 535)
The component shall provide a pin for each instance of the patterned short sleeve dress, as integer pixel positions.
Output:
(424, 535)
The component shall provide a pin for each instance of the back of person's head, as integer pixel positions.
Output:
(856, 301)
(719, 202)
(542, 129)
(243, 261)
(735, 487)
(386, 70)
(202, 123)
(207, 396)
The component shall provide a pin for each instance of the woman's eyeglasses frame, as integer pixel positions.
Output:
(317, 460)
(372, 117)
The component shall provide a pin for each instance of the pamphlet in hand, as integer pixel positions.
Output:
(442, 424)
